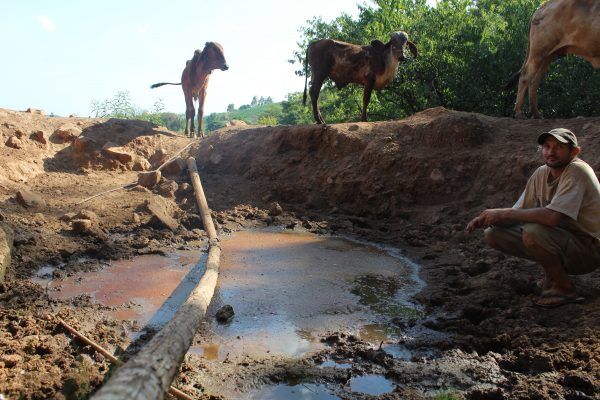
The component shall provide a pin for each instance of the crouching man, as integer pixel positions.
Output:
(555, 222)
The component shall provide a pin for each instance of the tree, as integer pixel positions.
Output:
(230, 108)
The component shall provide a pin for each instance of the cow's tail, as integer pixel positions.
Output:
(512, 81)
(163, 83)
(305, 77)
(514, 78)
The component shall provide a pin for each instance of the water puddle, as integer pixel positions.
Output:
(329, 363)
(397, 351)
(305, 391)
(288, 289)
(148, 289)
(373, 385)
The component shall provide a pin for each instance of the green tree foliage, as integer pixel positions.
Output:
(261, 110)
(467, 51)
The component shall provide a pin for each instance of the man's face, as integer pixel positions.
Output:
(557, 154)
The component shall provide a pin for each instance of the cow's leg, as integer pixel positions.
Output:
(190, 112)
(366, 99)
(523, 85)
(534, 84)
(201, 98)
(315, 89)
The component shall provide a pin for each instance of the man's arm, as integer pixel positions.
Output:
(501, 216)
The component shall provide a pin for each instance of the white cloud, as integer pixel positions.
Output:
(141, 29)
(46, 23)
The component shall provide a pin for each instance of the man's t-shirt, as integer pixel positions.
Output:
(575, 194)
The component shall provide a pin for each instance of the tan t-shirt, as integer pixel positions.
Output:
(576, 194)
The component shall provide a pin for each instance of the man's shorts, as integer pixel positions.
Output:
(579, 253)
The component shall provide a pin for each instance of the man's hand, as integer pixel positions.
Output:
(488, 218)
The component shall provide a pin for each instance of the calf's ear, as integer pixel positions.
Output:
(412, 48)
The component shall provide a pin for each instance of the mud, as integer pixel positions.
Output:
(410, 184)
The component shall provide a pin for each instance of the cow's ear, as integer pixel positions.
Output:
(377, 44)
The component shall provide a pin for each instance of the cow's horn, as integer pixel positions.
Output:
(399, 37)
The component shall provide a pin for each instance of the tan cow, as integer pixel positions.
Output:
(373, 66)
(558, 28)
(194, 81)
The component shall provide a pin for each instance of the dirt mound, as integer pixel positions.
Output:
(390, 169)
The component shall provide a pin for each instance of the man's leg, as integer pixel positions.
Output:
(509, 240)
(538, 239)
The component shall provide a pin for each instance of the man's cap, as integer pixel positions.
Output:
(563, 135)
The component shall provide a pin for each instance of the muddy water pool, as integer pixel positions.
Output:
(289, 289)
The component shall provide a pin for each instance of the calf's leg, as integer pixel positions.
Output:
(315, 89)
(366, 99)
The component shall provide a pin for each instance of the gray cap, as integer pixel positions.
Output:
(563, 135)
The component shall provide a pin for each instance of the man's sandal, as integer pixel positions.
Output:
(556, 301)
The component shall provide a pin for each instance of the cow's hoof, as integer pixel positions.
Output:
(520, 116)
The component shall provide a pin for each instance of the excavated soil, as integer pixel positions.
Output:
(411, 184)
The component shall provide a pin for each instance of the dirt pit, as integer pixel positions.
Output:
(410, 185)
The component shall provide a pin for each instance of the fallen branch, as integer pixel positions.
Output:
(172, 390)
(149, 373)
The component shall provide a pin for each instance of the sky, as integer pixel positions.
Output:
(61, 55)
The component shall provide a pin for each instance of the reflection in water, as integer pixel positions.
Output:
(371, 384)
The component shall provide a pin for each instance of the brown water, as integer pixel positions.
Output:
(147, 289)
(288, 289)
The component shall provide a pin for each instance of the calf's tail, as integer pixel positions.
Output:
(163, 83)
(512, 81)
(305, 76)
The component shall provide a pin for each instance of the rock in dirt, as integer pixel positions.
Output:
(117, 152)
(67, 217)
(159, 157)
(83, 145)
(149, 179)
(224, 314)
(141, 164)
(82, 225)
(160, 212)
(35, 111)
(87, 214)
(141, 189)
(29, 199)
(175, 167)
(14, 142)
(67, 132)
(6, 247)
(40, 136)
(167, 188)
(275, 209)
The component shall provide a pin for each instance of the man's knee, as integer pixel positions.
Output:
(492, 236)
(533, 234)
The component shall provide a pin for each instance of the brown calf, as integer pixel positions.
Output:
(194, 81)
(558, 28)
(373, 66)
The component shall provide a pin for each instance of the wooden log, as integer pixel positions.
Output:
(173, 391)
(150, 372)
(209, 227)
